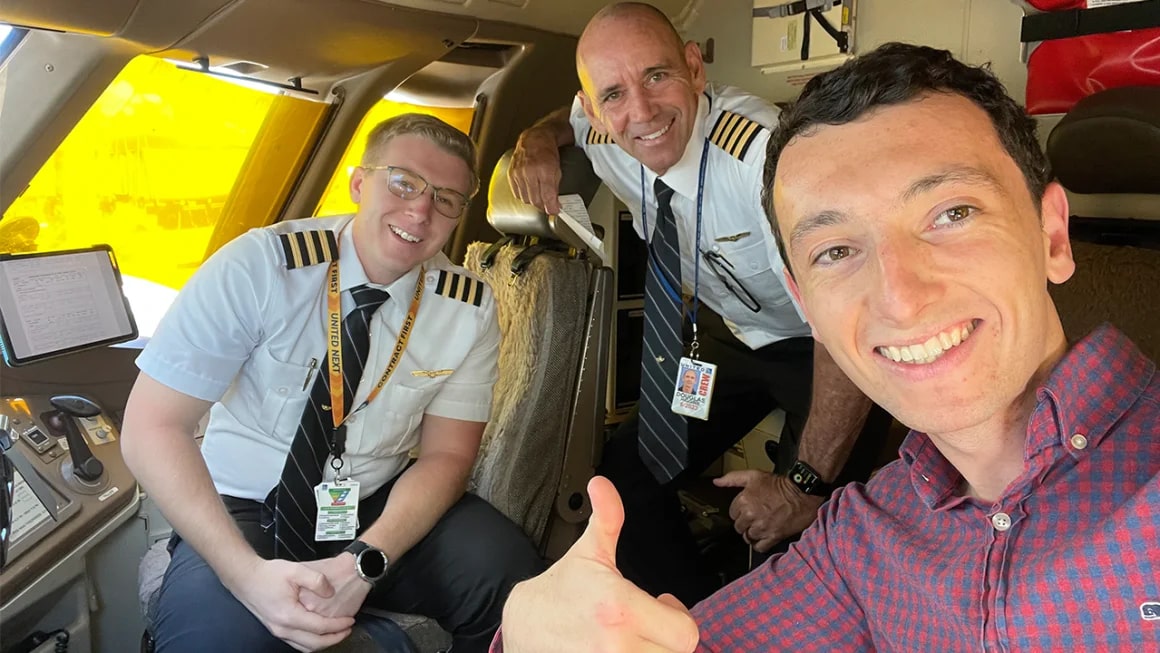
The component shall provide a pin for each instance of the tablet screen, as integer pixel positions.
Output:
(56, 303)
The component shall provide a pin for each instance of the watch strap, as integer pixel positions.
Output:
(809, 481)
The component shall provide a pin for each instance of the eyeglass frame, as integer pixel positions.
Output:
(723, 269)
(426, 184)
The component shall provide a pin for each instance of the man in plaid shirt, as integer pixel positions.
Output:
(918, 217)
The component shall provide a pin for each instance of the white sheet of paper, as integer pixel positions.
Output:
(575, 215)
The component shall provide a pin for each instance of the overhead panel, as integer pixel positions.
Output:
(313, 39)
(103, 18)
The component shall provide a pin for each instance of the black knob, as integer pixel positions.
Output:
(86, 467)
(75, 405)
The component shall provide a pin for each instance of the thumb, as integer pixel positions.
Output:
(552, 204)
(315, 581)
(737, 478)
(599, 540)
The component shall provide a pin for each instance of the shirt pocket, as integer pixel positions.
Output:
(750, 267)
(285, 392)
(395, 430)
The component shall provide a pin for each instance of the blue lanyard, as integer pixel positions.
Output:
(673, 293)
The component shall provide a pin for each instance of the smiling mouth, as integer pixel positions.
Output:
(404, 235)
(657, 134)
(933, 349)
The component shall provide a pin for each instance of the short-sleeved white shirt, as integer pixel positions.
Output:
(733, 222)
(249, 334)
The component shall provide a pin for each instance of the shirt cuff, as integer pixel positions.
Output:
(171, 374)
(466, 408)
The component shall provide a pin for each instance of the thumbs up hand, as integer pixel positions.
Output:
(582, 603)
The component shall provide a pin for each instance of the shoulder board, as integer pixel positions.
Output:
(306, 248)
(459, 286)
(596, 138)
(734, 133)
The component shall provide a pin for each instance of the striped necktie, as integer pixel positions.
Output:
(292, 502)
(662, 439)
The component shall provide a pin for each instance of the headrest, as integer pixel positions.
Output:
(1110, 142)
(510, 216)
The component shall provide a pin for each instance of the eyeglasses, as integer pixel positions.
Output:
(723, 270)
(409, 185)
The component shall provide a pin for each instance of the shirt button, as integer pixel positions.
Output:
(1079, 441)
(282, 390)
(1001, 521)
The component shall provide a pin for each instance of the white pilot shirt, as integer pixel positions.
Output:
(733, 221)
(249, 334)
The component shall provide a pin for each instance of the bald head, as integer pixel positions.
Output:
(639, 84)
(642, 19)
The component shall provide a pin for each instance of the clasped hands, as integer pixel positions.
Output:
(308, 605)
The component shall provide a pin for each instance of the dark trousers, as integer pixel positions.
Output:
(656, 549)
(459, 574)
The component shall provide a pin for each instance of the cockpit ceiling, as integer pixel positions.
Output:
(317, 41)
(163, 23)
(562, 16)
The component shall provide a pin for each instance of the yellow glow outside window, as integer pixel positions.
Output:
(154, 169)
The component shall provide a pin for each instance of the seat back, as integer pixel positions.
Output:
(554, 304)
(1104, 151)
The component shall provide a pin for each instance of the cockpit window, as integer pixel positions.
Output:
(9, 38)
(336, 200)
(166, 166)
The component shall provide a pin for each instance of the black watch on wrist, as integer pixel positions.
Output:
(369, 562)
(809, 481)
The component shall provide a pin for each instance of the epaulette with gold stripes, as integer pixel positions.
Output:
(734, 133)
(596, 138)
(305, 248)
(459, 286)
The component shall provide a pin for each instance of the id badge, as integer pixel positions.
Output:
(337, 517)
(694, 390)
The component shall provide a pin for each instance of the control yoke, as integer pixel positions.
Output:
(85, 465)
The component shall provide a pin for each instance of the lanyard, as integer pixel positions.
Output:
(334, 356)
(673, 293)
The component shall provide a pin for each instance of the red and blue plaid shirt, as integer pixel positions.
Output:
(1068, 559)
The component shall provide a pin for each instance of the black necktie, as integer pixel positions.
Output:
(662, 436)
(292, 502)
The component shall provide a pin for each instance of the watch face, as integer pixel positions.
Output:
(372, 563)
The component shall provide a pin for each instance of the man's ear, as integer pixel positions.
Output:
(1054, 215)
(590, 112)
(791, 283)
(696, 65)
(356, 181)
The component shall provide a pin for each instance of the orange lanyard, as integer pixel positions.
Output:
(334, 350)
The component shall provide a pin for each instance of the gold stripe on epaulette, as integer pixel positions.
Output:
(596, 138)
(305, 248)
(734, 133)
(458, 286)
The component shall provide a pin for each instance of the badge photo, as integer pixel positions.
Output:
(694, 388)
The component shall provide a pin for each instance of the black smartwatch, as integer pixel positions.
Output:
(809, 481)
(369, 562)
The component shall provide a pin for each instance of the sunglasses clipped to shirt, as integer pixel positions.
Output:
(723, 270)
